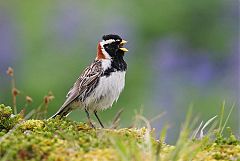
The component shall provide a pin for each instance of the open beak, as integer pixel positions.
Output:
(121, 46)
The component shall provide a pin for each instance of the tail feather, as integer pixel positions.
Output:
(62, 112)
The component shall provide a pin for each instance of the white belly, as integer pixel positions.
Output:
(107, 91)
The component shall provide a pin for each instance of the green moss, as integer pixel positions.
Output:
(219, 152)
(54, 138)
(7, 119)
(62, 139)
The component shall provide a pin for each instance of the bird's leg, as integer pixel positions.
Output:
(95, 113)
(89, 119)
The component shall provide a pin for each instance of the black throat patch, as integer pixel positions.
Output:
(117, 64)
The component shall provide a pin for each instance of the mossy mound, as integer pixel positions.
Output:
(56, 139)
(63, 139)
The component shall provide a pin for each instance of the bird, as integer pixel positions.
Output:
(101, 83)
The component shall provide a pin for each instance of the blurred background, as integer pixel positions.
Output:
(181, 53)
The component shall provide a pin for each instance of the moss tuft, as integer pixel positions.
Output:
(7, 119)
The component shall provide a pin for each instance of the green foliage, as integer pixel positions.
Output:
(62, 139)
(230, 140)
(7, 119)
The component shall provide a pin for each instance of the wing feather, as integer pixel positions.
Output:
(84, 84)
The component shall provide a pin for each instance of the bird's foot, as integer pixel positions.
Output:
(91, 124)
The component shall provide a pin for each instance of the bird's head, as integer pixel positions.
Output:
(111, 46)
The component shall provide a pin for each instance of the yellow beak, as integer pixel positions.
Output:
(122, 43)
(123, 49)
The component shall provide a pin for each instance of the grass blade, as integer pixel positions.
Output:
(225, 123)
